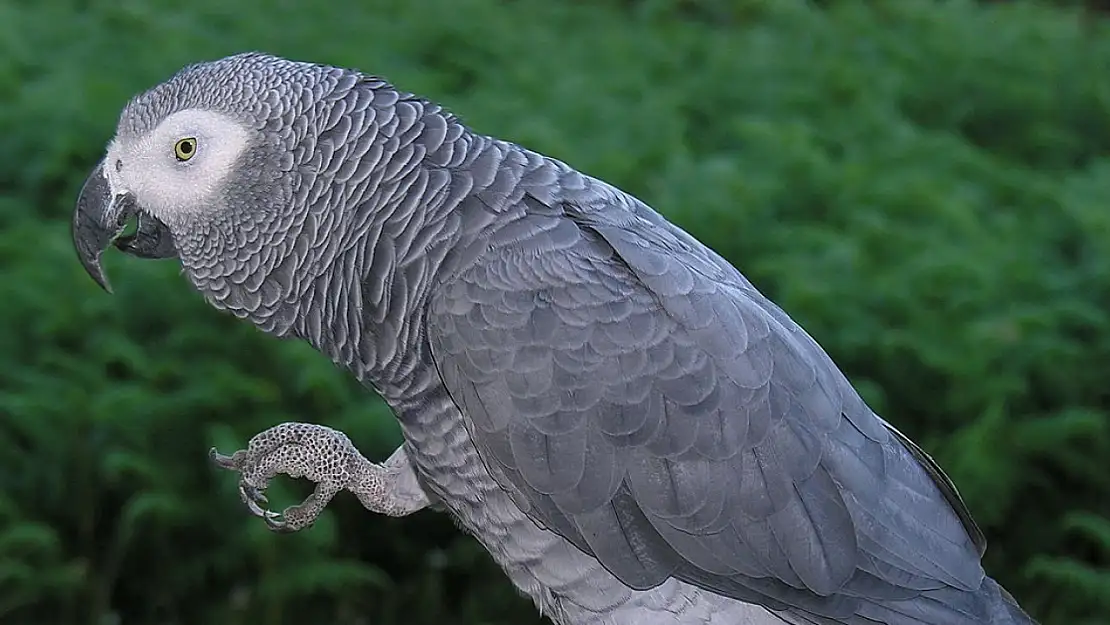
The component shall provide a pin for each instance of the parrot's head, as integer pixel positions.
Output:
(233, 167)
(209, 148)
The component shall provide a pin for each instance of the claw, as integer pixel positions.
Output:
(254, 494)
(253, 506)
(253, 497)
(272, 522)
(227, 462)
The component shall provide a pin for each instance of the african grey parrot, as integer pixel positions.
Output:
(634, 433)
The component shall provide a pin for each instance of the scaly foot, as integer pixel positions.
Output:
(328, 458)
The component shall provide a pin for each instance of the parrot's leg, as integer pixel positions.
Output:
(326, 457)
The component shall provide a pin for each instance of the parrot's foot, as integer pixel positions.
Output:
(328, 458)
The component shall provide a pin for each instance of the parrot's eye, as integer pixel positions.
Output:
(185, 148)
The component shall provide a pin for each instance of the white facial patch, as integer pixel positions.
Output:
(168, 187)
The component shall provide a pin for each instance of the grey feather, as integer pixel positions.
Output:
(760, 468)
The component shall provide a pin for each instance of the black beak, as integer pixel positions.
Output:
(101, 217)
(98, 219)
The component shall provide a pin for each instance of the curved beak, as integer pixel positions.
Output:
(100, 218)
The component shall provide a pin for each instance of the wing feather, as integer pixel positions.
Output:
(637, 395)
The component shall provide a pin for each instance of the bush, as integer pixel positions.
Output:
(923, 185)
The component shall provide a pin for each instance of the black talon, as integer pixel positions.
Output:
(275, 525)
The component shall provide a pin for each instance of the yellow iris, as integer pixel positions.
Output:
(185, 148)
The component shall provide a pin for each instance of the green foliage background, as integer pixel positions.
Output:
(925, 186)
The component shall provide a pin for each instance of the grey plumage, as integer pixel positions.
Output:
(629, 427)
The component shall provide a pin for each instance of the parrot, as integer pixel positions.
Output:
(633, 432)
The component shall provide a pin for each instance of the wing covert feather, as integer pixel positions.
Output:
(637, 395)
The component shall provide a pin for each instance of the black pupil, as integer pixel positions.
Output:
(186, 147)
